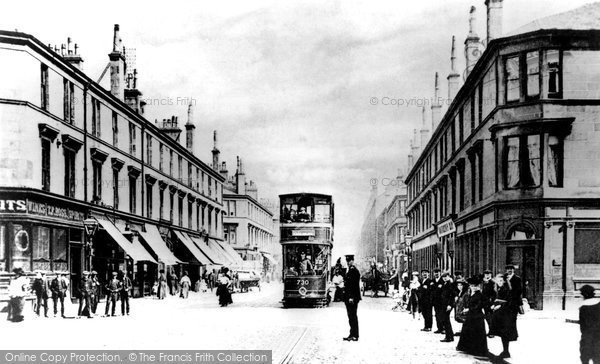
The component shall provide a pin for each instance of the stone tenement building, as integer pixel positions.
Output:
(510, 173)
(72, 150)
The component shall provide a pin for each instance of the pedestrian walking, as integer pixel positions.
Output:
(447, 303)
(352, 297)
(41, 287)
(438, 304)
(17, 290)
(589, 324)
(85, 291)
(503, 322)
(462, 302)
(59, 287)
(426, 299)
(126, 286)
(173, 281)
(113, 287)
(185, 285)
(473, 338)
(224, 282)
(162, 285)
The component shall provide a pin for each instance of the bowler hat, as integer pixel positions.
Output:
(509, 266)
(587, 291)
(94, 272)
(424, 270)
(487, 271)
(85, 273)
(437, 270)
(474, 280)
(349, 257)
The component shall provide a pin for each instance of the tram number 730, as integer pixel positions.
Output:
(302, 282)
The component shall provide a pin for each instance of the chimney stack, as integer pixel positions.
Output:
(133, 96)
(424, 130)
(71, 56)
(189, 130)
(472, 45)
(223, 171)
(494, 19)
(240, 178)
(215, 153)
(453, 77)
(436, 106)
(117, 66)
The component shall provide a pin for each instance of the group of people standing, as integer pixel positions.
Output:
(496, 300)
(172, 284)
(90, 291)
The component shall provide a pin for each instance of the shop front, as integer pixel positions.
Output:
(40, 232)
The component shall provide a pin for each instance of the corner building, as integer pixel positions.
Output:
(510, 174)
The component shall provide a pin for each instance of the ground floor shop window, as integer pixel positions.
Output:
(587, 249)
(2, 248)
(21, 248)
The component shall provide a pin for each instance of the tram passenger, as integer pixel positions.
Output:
(303, 215)
(305, 265)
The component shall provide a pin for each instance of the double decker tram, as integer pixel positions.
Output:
(306, 233)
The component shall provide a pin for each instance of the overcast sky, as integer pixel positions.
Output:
(288, 85)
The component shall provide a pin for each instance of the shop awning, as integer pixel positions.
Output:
(209, 251)
(132, 248)
(219, 249)
(231, 252)
(158, 245)
(270, 258)
(189, 244)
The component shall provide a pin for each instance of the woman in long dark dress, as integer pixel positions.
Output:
(504, 316)
(223, 283)
(162, 285)
(473, 338)
(462, 302)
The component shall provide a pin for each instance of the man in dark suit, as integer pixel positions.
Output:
(352, 297)
(436, 295)
(85, 294)
(113, 287)
(446, 303)
(488, 291)
(426, 299)
(126, 287)
(516, 286)
(59, 287)
(41, 287)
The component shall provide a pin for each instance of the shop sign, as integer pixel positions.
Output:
(13, 206)
(446, 228)
(45, 209)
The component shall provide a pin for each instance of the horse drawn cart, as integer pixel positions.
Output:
(247, 279)
(375, 282)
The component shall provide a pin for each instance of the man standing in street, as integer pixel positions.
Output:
(112, 293)
(426, 299)
(95, 292)
(488, 291)
(85, 290)
(41, 287)
(59, 287)
(446, 303)
(126, 286)
(352, 297)
(438, 305)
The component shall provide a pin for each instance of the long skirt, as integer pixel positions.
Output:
(504, 323)
(224, 295)
(15, 307)
(472, 337)
(162, 290)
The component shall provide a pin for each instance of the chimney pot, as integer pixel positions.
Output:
(494, 19)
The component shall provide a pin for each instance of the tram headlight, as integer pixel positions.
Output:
(302, 291)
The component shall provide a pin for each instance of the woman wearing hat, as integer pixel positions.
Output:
(17, 290)
(473, 339)
(413, 299)
(504, 323)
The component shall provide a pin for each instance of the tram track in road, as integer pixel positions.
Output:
(288, 357)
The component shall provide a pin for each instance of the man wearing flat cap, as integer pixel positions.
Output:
(352, 297)
(41, 287)
(59, 287)
(426, 299)
(113, 287)
(589, 324)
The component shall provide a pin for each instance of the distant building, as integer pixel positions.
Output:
(509, 175)
(395, 226)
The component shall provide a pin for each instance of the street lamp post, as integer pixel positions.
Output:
(90, 227)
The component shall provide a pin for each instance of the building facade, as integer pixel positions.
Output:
(72, 150)
(509, 173)
(395, 233)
